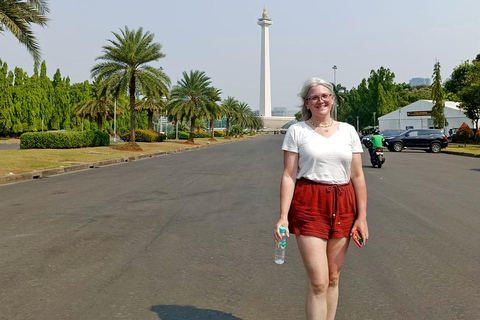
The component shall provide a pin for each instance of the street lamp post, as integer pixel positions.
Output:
(335, 86)
(358, 127)
(374, 113)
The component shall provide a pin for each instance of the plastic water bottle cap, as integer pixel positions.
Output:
(282, 229)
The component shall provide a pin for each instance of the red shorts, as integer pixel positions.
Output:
(322, 210)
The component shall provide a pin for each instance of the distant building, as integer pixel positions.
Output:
(420, 82)
(418, 115)
(256, 113)
(279, 112)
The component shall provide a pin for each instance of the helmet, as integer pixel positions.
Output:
(376, 131)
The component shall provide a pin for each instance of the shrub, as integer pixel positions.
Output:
(219, 133)
(182, 135)
(144, 136)
(130, 146)
(477, 136)
(202, 135)
(236, 130)
(63, 140)
(464, 133)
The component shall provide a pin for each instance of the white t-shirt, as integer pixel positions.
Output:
(325, 160)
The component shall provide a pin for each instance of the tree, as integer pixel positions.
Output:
(125, 67)
(464, 133)
(61, 102)
(230, 107)
(18, 16)
(152, 104)
(340, 93)
(298, 115)
(469, 95)
(191, 99)
(458, 79)
(242, 118)
(99, 107)
(214, 111)
(438, 114)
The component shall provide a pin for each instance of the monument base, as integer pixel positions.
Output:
(275, 123)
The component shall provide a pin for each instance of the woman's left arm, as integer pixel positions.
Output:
(360, 187)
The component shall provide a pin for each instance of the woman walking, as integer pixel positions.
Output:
(323, 196)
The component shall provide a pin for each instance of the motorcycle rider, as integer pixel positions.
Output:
(377, 142)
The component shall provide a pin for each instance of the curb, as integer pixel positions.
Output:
(465, 154)
(91, 165)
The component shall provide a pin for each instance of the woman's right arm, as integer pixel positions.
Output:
(287, 187)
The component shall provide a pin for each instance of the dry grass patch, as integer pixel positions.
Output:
(29, 160)
(473, 149)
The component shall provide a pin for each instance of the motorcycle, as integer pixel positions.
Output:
(377, 157)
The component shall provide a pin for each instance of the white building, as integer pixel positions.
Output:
(417, 115)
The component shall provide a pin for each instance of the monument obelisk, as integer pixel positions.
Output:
(265, 90)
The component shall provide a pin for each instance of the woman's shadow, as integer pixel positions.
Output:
(173, 312)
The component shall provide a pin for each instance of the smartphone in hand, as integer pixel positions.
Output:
(357, 237)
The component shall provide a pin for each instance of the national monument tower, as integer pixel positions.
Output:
(265, 89)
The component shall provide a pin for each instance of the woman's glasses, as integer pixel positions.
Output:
(323, 97)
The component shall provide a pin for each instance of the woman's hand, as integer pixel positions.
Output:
(277, 236)
(362, 227)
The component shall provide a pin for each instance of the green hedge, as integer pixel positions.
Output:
(63, 140)
(145, 136)
(182, 135)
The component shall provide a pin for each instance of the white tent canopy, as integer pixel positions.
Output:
(417, 115)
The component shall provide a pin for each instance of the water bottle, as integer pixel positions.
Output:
(280, 247)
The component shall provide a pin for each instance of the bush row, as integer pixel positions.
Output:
(63, 140)
(465, 134)
(144, 136)
(182, 135)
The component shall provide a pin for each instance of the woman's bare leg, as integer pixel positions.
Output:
(336, 252)
(314, 255)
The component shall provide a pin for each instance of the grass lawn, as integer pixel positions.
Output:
(458, 147)
(29, 160)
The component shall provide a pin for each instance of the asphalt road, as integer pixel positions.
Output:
(189, 236)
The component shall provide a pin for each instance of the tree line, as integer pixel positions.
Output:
(379, 94)
(124, 77)
(125, 84)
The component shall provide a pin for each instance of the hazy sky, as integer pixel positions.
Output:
(222, 38)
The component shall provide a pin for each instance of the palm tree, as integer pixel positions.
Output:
(125, 66)
(17, 16)
(230, 106)
(191, 99)
(340, 94)
(242, 117)
(214, 110)
(255, 122)
(152, 105)
(98, 108)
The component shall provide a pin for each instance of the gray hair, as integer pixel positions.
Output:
(307, 85)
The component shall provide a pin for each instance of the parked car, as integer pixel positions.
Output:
(431, 140)
(386, 134)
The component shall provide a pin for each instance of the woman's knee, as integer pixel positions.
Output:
(333, 280)
(319, 286)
